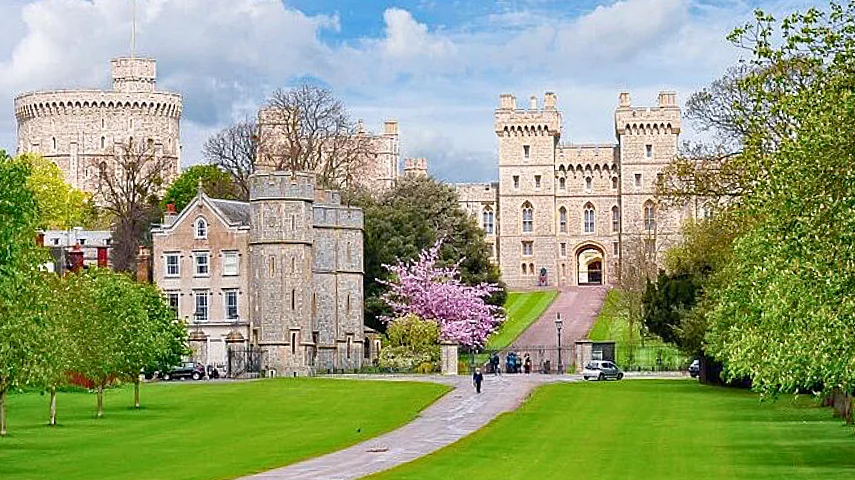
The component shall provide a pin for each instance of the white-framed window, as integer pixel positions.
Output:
(230, 304)
(516, 181)
(201, 228)
(527, 218)
(562, 220)
(172, 297)
(589, 219)
(172, 265)
(638, 180)
(528, 248)
(200, 299)
(537, 182)
(201, 264)
(231, 264)
(649, 216)
(648, 151)
(526, 151)
(488, 220)
(615, 219)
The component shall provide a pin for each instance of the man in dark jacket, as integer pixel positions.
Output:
(477, 378)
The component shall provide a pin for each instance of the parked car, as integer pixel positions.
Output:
(601, 370)
(196, 371)
(695, 368)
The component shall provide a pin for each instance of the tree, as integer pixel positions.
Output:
(129, 183)
(410, 343)
(433, 293)
(60, 205)
(215, 182)
(234, 149)
(308, 129)
(22, 300)
(408, 218)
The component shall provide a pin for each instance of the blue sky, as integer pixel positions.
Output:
(436, 66)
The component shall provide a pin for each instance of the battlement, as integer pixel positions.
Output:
(282, 186)
(416, 166)
(134, 74)
(663, 119)
(390, 127)
(510, 120)
(337, 216)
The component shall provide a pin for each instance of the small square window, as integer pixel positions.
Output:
(526, 151)
(537, 181)
(648, 151)
(527, 249)
(516, 181)
(638, 180)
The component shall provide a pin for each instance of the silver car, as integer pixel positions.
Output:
(601, 370)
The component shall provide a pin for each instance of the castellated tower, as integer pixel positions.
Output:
(78, 129)
(648, 139)
(527, 141)
(305, 254)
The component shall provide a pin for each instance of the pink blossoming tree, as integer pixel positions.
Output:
(436, 294)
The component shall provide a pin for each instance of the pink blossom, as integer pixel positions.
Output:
(434, 293)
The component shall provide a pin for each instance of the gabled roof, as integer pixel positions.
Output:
(237, 213)
(231, 213)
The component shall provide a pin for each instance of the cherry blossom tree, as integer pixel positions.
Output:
(435, 293)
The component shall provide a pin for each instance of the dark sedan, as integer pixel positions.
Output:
(196, 371)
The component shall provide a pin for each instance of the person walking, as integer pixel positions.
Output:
(527, 363)
(477, 378)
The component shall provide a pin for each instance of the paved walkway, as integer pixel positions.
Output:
(454, 416)
(578, 306)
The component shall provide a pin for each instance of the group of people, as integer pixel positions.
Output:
(513, 364)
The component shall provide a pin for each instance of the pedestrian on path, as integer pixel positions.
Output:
(494, 364)
(477, 378)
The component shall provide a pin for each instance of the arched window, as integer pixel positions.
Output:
(615, 219)
(524, 269)
(293, 299)
(589, 219)
(589, 184)
(649, 216)
(562, 183)
(562, 220)
(293, 264)
(527, 218)
(614, 183)
(201, 228)
(103, 142)
(489, 219)
(349, 253)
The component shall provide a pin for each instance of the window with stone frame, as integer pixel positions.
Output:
(616, 248)
(526, 151)
(537, 182)
(527, 218)
(614, 183)
(202, 264)
(588, 226)
(201, 229)
(172, 264)
(488, 220)
(200, 297)
(173, 298)
(516, 181)
(230, 303)
(231, 264)
(589, 184)
(562, 220)
(615, 219)
(638, 180)
(562, 183)
(563, 249)
(650, 247)
(527, 248)
(649, 216)
(648, 151)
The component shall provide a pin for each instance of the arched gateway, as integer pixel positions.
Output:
(590, 261)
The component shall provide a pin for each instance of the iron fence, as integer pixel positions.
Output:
(541, 359)
(244, 361)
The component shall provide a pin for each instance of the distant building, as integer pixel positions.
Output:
(281, 273)
(92, 247)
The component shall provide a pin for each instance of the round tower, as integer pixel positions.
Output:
(280, 263)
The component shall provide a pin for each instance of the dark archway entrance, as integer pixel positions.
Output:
(589, 265)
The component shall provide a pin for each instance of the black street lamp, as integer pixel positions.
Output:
(558, 324)
(472, 324)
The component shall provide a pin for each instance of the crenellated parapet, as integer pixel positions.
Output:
(663, 119)
(59, 103)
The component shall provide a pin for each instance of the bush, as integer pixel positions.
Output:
(411, 344)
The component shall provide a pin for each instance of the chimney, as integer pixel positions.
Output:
(667, 99)
(549, 100)
(507, 102)
(76, 258)
(40, 239)
(416, 167)
(102, 257)
(532, 103)
(170, 215)
(143, 265)
(624, 100)
(390, 127)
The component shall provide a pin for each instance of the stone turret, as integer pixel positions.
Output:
(416, 167)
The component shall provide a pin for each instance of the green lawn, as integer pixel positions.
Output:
(522, 309)
(202, 430)
(670, 429)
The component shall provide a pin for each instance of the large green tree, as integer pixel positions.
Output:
(60, 205)
(215, 182)
(410, 217)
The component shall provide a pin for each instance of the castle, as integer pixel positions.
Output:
(565, 214)
(282, 272)
(79, 129)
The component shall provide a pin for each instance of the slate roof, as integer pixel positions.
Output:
(237, 213)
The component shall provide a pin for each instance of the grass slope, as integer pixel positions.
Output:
(201, 430)
(522, 309)
(648, 429)
(611, 324)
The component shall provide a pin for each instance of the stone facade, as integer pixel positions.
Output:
(78, 129)
(565, 214)
(297, 294)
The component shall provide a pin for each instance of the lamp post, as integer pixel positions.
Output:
(558, 324)
(472, 323)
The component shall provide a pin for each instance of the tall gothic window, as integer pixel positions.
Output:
(527, 218)
(615, 219)
(649, 216)
(562, 220)
(589, 218)
(489, 219)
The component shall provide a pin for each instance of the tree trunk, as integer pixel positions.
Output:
(3, 412)
(52, 406)
(100, 401)
(137, 392)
